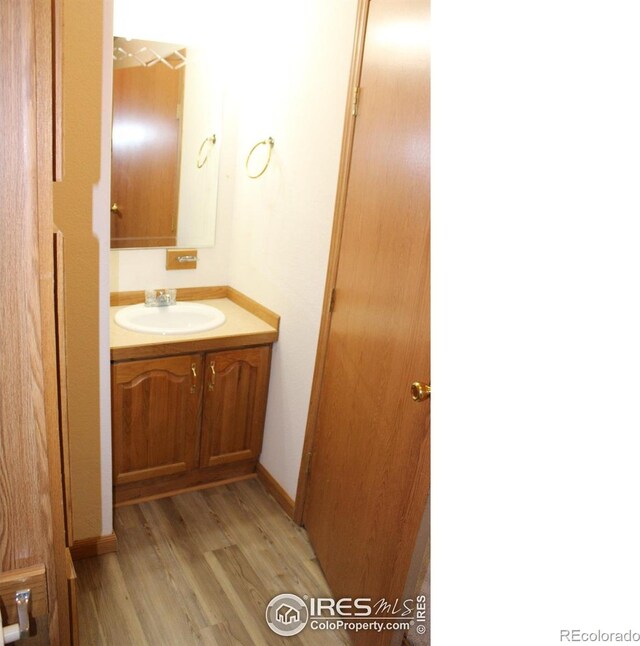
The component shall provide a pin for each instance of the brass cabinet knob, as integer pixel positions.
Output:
(114, 208)
(420, 391)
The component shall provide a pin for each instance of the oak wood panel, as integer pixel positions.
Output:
(196, 568)
(369, 477)
(155, 417)
(234, 405)
(31, 506)
(145, 155)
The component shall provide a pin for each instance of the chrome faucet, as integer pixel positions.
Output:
(159, 297)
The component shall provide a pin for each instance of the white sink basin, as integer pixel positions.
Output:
(181, 318)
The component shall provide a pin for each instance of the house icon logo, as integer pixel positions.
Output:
(287, 615)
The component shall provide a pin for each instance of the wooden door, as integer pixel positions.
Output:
(32, 532)
(155, 417)
(235, 401)
(369, 470)
(145, 155)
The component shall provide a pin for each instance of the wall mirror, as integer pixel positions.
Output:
(166, 129)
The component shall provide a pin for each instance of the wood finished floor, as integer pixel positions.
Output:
(199, 568)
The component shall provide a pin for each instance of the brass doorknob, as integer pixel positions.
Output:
(420, 391)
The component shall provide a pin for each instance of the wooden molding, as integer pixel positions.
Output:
(192, 480)
(34, 578)
(200, 487)
(269, 317)
(183, 294)
(163, 349)
(334, 253)
(94, 546)
(275, 489)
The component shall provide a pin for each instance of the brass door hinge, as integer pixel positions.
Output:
(354, 101)
(308, 468)
(332, 300)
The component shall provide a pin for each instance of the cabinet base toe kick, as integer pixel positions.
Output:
(164, 486)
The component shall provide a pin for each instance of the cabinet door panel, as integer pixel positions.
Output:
(156, 406)
(235, 399)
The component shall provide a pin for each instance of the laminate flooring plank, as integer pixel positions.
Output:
(183, 555)
(199, 568)
(112, 602)
(254, 623)
(260, 535)
(152, 587)
(223, 634)
(89, 620)
(253, 542)
(173, 545)
(205, 528)
(255, 497)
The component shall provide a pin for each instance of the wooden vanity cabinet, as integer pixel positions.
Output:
(235, 401)
(183, 421)
(155, 417)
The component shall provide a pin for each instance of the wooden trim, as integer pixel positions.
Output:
(200, 487)
(72, 580)
(183, 294)
(334, 254)
(61, 345)
(202, 294)
(237, 342)
(187, 481)
(94, 546)
(274, 488)
(269, 317)
(153, 472)
(56, 28)
(59, 622)
(34, 578)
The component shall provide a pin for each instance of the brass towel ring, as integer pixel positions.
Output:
(266, 142)
(200, 161)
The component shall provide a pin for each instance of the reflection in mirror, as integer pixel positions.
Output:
(166, 125)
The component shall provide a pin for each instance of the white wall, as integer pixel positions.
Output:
(202, 117)
(290, 82)
(287, 70)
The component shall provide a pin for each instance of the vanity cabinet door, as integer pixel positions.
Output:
(156, 409)
(235, 401)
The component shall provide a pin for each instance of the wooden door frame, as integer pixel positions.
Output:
(334, 256)
(49, 160)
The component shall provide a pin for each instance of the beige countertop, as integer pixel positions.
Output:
(240, 329)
